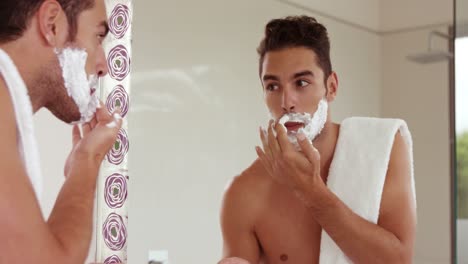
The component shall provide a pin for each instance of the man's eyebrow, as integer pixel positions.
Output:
(302, 73)
(267, 77)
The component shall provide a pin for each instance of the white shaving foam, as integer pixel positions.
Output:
(78, 85)
(117, 116)
(313, 125)
(112, 124)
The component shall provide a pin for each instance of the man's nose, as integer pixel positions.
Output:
(289, 101)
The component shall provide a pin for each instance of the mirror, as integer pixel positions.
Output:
(197, 103)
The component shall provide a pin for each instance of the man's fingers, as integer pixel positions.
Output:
(264, 160)
(282, 136)
(93, 122)
(115, 122)
(106, 134)
(272, 141)
(76, 135)
(308, 149)
(102, 115)
(266, 147)
(86, 129)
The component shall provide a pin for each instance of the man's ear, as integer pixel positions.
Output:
(52, 22)
(332, 87)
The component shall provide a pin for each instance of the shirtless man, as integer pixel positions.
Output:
(32, 34)
(274, 212)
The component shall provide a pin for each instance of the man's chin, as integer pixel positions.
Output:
(71, 120)
(70, 117)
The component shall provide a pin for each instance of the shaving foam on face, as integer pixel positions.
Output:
(313, 125)
(78, 85)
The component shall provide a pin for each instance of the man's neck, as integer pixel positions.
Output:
(27, 60)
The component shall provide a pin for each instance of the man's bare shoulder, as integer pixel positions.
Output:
(241, 209)
(247, 191)
(252, 181)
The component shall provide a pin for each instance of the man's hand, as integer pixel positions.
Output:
(98, 137)
(76, 198)
(299, 170)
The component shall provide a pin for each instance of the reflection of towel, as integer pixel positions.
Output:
(358, 170)
(24, 120)
(233, 260)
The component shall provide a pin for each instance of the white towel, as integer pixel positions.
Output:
(358, 170)
(24, 121)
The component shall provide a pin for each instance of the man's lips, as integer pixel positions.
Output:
(293, 126)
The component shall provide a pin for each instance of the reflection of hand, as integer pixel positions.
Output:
(98, 137)
(233, 261)
(297, 170)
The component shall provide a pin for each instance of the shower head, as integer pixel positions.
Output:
(430, 56)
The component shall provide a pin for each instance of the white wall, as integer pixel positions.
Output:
(54, 140)
(361, 12)
(399, 14)
(384, 15)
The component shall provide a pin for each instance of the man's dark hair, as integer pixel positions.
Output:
(15, 16)
(297, 31)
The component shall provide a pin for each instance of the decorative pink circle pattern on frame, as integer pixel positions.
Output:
(118, 62)
(115, 193)
(119, 21)
(114, 228)
(114, 232)
(113, 260)
(120, 149)
(118, 98)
